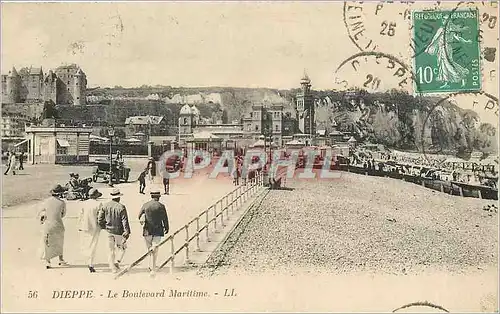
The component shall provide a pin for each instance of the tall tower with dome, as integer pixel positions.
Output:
(305, 106)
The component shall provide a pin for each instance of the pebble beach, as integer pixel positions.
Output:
(360, 223)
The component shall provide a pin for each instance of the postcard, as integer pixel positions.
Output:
(306, 156)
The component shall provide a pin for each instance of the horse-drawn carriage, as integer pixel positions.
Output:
(118, 171)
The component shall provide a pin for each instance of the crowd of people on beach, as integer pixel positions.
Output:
(429, 166)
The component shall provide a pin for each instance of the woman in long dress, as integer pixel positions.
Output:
(50, 216)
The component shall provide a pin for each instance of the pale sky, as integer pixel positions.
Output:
(180, 44)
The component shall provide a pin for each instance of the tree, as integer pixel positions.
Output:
(49, 111)
(224, 116)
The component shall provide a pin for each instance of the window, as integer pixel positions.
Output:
(256, 128)
(185, 121)
(277, 127)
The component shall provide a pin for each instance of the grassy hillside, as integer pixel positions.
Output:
(394, 118)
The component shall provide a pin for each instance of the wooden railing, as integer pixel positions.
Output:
(207, 221)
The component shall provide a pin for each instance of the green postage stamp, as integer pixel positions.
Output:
(447, 57)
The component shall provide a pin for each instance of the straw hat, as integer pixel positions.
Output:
(56, 190)
(115, 193)
(94, 193)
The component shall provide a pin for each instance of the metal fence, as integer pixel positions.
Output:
(202, 226)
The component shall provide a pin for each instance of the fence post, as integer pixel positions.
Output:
(198, 234)
(232, 202)
(207, 225)
(239, 196)
(215, 218)
(186, 227)
(172, 251)
(222, 211)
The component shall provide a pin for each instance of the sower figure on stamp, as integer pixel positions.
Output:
(88, 226)
(153, 217)
(449, 71)
(142, 181)
(114, 219)
(50, 216)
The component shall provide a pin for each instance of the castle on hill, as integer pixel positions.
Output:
(66, 85)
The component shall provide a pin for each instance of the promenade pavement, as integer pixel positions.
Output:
(21, 231)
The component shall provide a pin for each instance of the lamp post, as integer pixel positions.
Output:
(111, 133)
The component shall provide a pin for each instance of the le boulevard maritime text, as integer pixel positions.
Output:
(125, 293)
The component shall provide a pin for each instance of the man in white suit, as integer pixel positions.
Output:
(89, 227)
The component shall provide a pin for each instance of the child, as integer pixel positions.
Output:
(142, 181)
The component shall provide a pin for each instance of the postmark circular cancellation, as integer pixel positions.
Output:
(378, 72)
(390, 40)
(412, 32)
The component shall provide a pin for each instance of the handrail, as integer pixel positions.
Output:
(241, 196)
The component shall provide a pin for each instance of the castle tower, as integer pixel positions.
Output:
(196, 115)
(186, 120)
(50, 87)
(305, 106)
(77, 88)
(13, 87)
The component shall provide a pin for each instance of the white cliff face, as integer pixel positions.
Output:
(153, 97)
(216, 98)
(194, 99)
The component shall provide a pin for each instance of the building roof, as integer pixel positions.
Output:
(13, 72)
(143, 120)
(305, 79)
(186, 110)
(36, 71)
(195, 111)
(204, 136)
(352, 140)
(295, 143)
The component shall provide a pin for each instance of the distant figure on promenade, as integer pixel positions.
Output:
(119, 155)
(12, 165)
(154, 219)
(166, 184)
(114, 219)
(142, 181)
(237, 173)
(50, 216)
(87, 224)
(152, 169)
(21, 160)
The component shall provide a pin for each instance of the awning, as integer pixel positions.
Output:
(21, 143)
(63, 143)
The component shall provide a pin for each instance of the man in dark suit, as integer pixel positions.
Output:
(154, 219)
